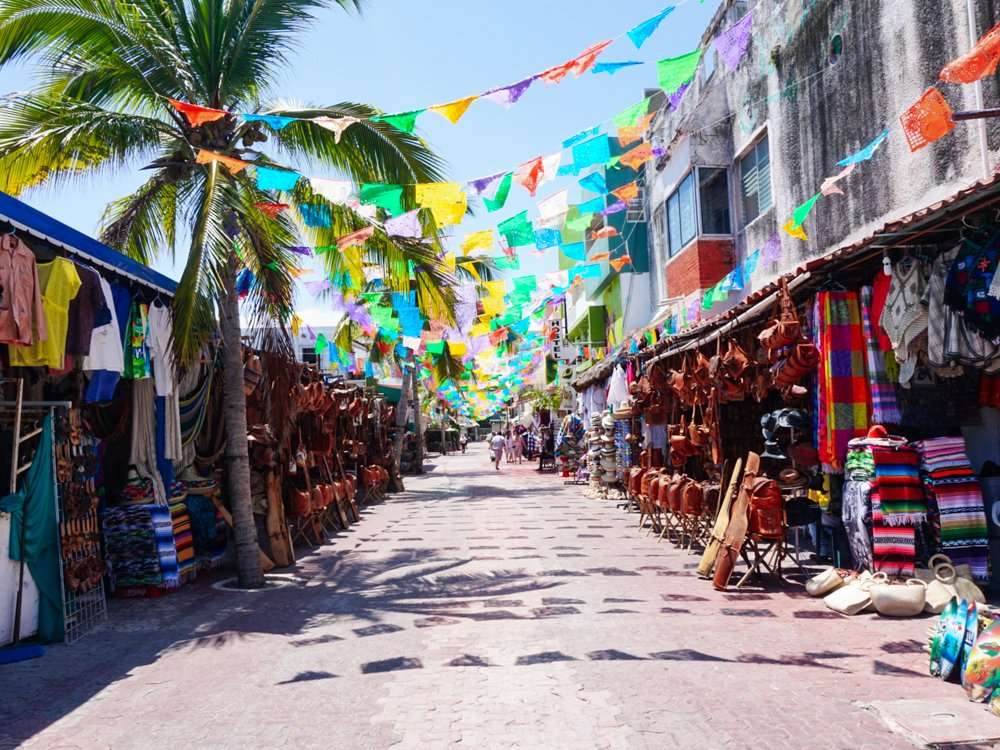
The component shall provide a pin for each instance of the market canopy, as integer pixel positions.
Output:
(34, 222)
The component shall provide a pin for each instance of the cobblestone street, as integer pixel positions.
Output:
(480, 610)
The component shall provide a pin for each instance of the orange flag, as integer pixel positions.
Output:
(633, 133)
(197, 115)
(927, 120)
(271, 210)
(619, 263)
(233, 165)
(638, 156)
(586, 59)
(355, 239)
(598, 256)
(603, 234)
(627, 193)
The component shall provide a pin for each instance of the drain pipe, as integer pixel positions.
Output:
(970, 8)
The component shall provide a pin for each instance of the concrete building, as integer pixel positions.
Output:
(821, 79)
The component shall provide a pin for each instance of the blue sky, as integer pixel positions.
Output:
(406, 54)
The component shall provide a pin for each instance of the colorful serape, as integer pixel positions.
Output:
(894, 549)
(901, 493)
(166, 552)
(843, 382)
(885, 407)
(955, 487)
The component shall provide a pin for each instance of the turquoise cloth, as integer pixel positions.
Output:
(34, 506)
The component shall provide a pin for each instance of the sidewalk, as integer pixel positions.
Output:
(478, 610)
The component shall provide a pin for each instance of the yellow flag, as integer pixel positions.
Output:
(296, 324)
(445, 200)
(493, 305)
(797, 232)
(453, 111)
(478, 241)
(496, 288)
(449, 262)
(457, 348)
(480, 329)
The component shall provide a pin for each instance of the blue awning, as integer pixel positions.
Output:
(31, 220)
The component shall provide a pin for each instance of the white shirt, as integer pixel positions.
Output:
(499, 442)
(161, 329)
(106, 351)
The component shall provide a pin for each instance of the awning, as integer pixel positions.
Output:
(34, 222)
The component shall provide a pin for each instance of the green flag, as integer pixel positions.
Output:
(500, 198)
(517, 230)
(629, 117)
(389, 197)
(405, 121)
(676, 71)
(799, 214)
(507, 263)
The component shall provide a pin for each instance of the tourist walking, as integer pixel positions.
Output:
(498, 445)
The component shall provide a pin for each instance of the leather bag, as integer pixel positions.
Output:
(736, 531)
(767, 513)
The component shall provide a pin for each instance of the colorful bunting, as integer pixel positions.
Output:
(604, 233)
(801, 212)
(978, 62)
(499, 198)
(387, 196)
(478, 241)
(506, 96)
(637, 156)
(453, 111)
(595, 151)
(574, 251)
(613, 67)
(445, 200)
(619, 263)
(196, 115)
(581, 136)
(517, 230)
(407, 225)
(316, 216)
(336, 125)
(271, 210)
(927, 120)
(552, 211)
(731, 45)
(796, 232)
(277, 122)
(276, 179)
(546, 238)
(615, 208)
(338, 192)
(629, 135)
(404, 121)
(593, 206)
(674, 72)
(536, 172)
(234, 166)
(595, 183)
(829, 186)
(580, 222)
(355, 239)
(639, 34)
(631, 115)
(627, 193)
(866, 153)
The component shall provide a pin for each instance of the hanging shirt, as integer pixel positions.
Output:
(161, 328)
(106, 352)
(87, 310)
(137, 365)
(22, 314)
(59, 283)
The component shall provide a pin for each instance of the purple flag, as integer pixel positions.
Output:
(731, 44)
(315, 288)
(615, 208)
(407, 225)
(487, 184)
(299, 250)
(505, 96)
(675, 98)
(771, 252)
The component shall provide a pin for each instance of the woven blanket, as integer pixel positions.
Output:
(894, 549)
(960, 503)
(900, 489)
(843, 380)
(885, 407)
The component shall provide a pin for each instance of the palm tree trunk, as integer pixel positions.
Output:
(396, 480)
(419, 424)
(234, 403)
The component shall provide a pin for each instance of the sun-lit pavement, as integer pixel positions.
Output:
(479, 610)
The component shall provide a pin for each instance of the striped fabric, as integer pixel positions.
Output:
(900, 490)
(885, 407)
(955, 488)
(894, 549)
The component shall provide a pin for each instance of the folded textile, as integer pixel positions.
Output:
(900, 489)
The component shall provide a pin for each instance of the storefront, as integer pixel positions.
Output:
(117, 453)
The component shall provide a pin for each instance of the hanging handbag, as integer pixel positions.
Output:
(767, 513)
(898, 599)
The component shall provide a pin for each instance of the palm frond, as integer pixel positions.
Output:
(48, 139)
(143, 224)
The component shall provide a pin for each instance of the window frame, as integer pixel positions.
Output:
(753, 150)
(727, 171)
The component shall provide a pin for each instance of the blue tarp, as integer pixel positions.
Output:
(35, 222)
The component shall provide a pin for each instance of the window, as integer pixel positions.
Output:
(713, 195)
(709, 62)
(660, 227)
(309, 355)
(682, 221)
(755, 176)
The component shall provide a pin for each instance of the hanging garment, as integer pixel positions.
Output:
(137, 363)
(33, 507)
(143, 446)
(967, 288)
(22, 312)
(618, 388)
(856, 514)
(900, 490)
(843, 382)
(949, 340)
(885, 408)
(161, 331)
(60, 283)
(904, 317)
(88, 310)
(880, 293)
(106, 352)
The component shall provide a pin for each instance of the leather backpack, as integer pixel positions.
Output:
(767, 512)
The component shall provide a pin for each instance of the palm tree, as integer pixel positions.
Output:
(108, 70)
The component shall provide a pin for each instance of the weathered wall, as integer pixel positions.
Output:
(816, 112)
